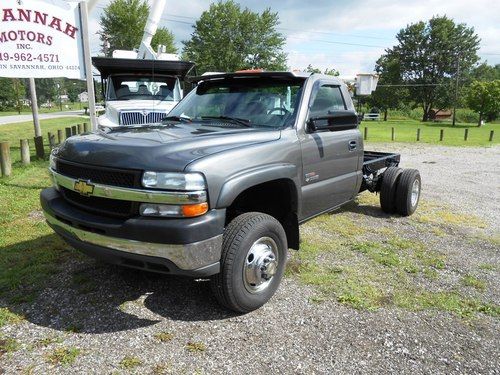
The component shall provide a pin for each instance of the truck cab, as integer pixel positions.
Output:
(219, 188)
(139, 92)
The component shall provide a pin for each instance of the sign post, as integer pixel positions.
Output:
(84, 13)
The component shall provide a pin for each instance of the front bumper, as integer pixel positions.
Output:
(190, 247)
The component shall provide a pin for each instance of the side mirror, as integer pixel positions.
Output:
(334, 121)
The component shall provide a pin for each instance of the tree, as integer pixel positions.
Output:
(328, 71)
(389, 93)
(484, 98)
(7, 94)
(485, 72)
(429, 56)
(166, 38)
(123, 24)
(228, 38)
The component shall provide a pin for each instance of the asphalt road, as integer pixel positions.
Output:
(43, 116)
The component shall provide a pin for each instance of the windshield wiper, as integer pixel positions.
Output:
(236, 120)
(176, 118)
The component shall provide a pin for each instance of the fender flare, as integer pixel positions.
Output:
(255, 176)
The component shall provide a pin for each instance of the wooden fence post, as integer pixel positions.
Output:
(418, 134)
(366, 133)
(59, 136)
(85, 127)
(68, 132)
(80, 128)
(393, 136)
(52, 140)
(25, 151)
(466, 134)
(73, 130)
(492, 133)
(40, 151)
(5, 162)
(441, 135)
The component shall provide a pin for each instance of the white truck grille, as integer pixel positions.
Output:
(141, 117)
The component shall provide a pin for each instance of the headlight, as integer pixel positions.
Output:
(167, 210)
(173, 181)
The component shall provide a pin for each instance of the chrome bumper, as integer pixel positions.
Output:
(186, 257)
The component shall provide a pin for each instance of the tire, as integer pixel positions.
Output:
(247, 240)
(408, 192)
(388, 189)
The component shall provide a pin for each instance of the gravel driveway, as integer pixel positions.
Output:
(95, 318)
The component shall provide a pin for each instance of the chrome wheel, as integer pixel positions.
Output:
(261, 264)
(415, 192)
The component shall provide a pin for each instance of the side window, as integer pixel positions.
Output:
(328, 99)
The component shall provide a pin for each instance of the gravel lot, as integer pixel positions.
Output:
(114, 316)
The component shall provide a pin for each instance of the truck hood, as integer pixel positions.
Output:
(159, 148)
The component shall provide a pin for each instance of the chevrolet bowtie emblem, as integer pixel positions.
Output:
(84, 187)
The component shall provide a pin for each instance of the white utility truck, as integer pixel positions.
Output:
(141, 86)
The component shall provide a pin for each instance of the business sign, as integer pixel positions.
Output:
(40, 39)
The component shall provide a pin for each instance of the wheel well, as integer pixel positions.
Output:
(277, 198)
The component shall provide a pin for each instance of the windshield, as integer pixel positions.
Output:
(122, 87)
(258, 102)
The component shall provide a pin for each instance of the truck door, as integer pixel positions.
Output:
(330, 159)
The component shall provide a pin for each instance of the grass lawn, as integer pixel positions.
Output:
(56, 108)
(14, 132)
(406, 131)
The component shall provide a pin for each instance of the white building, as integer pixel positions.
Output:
(83, 97)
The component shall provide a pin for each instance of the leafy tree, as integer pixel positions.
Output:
(228, 38)
(429, 55)
(7, 95)
(123, 24)
(46, 90)
(485, 72)
(328, 71)
(166, 38)
(389, 93)
(484, 98)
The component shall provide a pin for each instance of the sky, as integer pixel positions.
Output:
(346, 35)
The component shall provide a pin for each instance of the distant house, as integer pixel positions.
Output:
(440, 114)
(63, 98)
(83, 97)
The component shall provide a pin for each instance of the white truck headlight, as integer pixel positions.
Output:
(168, 210)
(173, 181)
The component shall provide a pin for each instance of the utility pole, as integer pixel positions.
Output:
(34, 107)
(457, 76)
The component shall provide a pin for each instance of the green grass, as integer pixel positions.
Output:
(406, 131)
(128, 362)
(9, 345)
(164, 336)
(55, 108)
(13, 133)
(196, 347)
(8, 317)
(346, 259)
(63, 356)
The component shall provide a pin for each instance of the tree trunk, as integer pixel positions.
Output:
(480, 119)
(385, 115)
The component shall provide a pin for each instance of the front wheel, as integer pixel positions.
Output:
(254, 252)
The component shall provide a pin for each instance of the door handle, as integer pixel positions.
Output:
(353, 145)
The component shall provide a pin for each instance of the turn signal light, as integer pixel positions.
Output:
(193, 210)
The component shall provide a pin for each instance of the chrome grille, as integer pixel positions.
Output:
(139, 118)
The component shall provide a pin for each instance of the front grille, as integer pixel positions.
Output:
(140, 118)
(109, 207)
(100, 175)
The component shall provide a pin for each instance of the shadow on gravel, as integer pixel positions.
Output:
(86, 296)
(365, 209)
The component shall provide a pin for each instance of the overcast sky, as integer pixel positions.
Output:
(346, 35)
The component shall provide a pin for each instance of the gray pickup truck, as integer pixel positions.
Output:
(219, 188)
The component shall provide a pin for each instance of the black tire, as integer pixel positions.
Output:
(388, 189)
(405, 205)
(230, 286)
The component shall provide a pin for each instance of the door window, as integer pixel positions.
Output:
(328, 99)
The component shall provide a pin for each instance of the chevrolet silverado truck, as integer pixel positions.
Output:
(219, 188)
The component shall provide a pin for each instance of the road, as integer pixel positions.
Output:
(43, 116)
